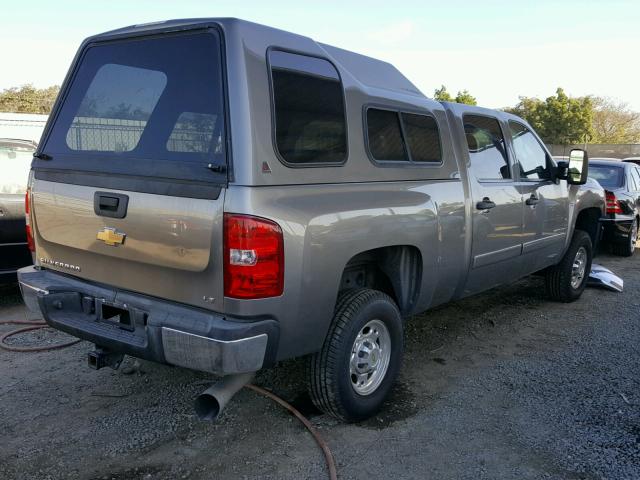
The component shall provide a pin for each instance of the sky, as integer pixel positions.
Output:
(498, 50)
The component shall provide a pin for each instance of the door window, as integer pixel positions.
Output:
(532, 158)
(486, 145)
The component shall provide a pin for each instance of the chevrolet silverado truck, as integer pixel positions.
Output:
(220, 195)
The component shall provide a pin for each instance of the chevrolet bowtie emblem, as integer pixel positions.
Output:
(111, 237)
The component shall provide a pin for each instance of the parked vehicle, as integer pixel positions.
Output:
(621, 181)
(15, 163)
(220, 195)
(635, 160)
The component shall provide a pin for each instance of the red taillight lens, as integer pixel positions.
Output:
(613, 205)
(253, 257)
(27, 210)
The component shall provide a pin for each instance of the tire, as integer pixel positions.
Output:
(626, 249)
(331, 381)
(558, 279)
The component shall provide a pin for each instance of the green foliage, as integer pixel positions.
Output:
(559, 119)
(442, 95)
(28, 99)
(465, 97)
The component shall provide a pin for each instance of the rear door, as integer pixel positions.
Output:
(545, 201)
(496, 205)
(130, 189)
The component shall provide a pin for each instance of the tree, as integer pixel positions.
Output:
(560, 119)
(442, 95)
(28, 99)
(465, 97)
(614, 122)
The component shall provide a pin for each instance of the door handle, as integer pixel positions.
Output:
(107, 204)
(532, 200)
(485, 204)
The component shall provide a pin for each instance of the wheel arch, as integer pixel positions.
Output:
(588, 220)
(395, 270)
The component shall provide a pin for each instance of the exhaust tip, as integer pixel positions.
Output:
(207, 407)
(210, 403)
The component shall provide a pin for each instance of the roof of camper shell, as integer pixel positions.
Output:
(368, 71)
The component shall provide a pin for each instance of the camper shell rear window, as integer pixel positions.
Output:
(149, 106)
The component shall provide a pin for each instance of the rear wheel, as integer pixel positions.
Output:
(626, 249)
(360, 359)
(566, 281)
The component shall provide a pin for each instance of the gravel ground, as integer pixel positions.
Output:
(501, 385)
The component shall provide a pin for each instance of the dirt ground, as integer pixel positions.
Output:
(502, 385)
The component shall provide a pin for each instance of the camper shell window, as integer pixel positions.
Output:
(308, 109)
(394, 136)
(148, 106)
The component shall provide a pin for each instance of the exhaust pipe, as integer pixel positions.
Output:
(210, 403)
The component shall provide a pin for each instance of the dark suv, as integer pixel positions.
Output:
(15, 162)
(621, 181)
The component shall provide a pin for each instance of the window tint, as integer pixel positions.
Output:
(608, 177)
(531, 157)
(385, 135)
(423, 137)
(486, 147)
(193, 132)
(140, 106)
(309, 109)
(115, 109)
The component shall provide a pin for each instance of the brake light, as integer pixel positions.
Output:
(253, 257)
(613, 205)
(27, 218)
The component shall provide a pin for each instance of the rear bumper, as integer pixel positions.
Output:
(155, 330)
(617, 229)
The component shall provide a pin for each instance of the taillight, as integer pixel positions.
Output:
(613, 205)
(27, 211)
(253, 257)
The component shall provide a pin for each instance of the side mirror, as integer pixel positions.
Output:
(578, 168)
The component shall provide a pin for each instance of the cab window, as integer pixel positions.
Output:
(485, 141)
(532, 159)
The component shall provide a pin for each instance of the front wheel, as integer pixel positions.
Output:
(360, 359)
(566, 281)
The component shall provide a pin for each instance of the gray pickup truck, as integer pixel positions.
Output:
(220, 195)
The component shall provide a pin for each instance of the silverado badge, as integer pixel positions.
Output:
(111, 237)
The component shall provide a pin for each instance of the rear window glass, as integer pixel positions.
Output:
(607, 176)
(487, 151)
(423, 137)
(385, 135)
(310, 124)
(141, 106)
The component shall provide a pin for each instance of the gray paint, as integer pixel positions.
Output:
(327, 214)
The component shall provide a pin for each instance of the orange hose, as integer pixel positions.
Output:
(333, 474)
(32, 326)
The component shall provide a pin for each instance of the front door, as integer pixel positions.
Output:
(497, 206)
(545, 220)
